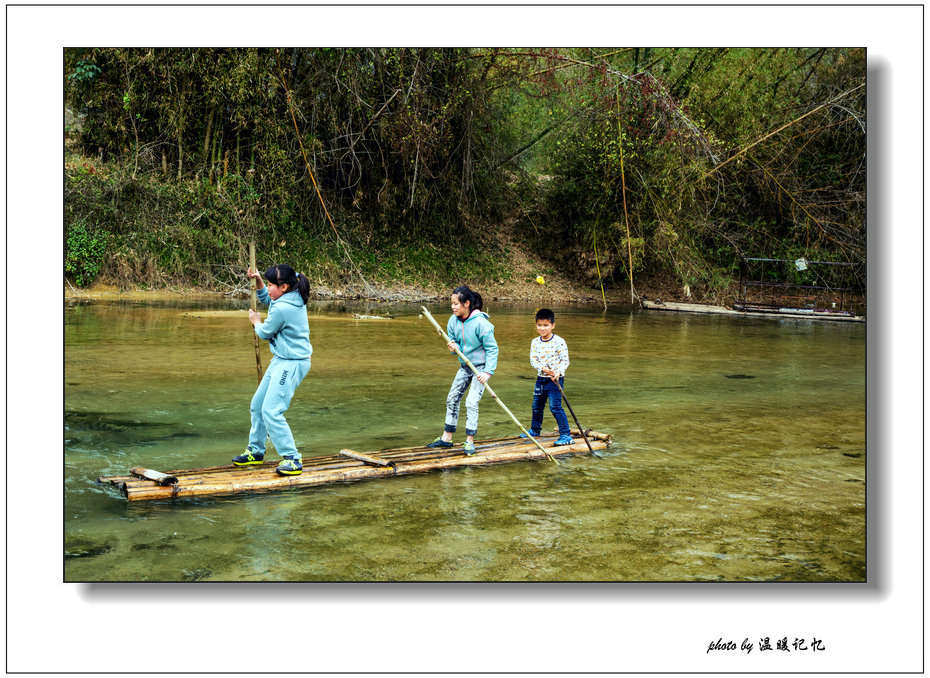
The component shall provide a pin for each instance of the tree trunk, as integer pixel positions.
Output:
(179, 127)
(135, 160)
(218, 150)
(207, 137)
(180, 155)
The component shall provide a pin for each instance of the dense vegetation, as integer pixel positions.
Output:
(432, 166)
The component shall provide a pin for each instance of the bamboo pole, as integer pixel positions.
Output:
(487, 388)
(565, 398)
(626, 217)
(253, 301)
(597, 263)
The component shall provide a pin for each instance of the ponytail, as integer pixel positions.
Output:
(467, 295)
(282, 274)
(303, 287)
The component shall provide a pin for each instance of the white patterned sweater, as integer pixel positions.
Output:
(552, 354)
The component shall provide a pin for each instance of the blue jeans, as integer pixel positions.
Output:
(463, 378)
(271, 400)
(547, 390)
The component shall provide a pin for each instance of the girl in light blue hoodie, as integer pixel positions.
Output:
(473, 334)
(288, 334)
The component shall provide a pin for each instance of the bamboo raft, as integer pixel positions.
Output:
(348, 465)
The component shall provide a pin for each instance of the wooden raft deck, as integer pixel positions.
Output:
(145, 484)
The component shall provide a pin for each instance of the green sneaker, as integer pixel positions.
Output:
(469, 449)
(290, 467)
(248, 458)
(439, 442)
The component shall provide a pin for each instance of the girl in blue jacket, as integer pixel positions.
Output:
(473, 334)
(288, 334)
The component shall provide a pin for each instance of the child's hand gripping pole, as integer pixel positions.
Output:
(555, 380)
(488, 388)
(253, 300)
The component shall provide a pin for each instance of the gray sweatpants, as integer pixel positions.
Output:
(460, 384)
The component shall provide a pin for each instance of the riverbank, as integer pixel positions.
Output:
(557, 292)
(176, 238)
(551, 291)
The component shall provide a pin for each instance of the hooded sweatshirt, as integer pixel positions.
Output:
(475, 338)
(286, 328)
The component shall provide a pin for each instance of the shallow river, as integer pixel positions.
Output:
(738, 454)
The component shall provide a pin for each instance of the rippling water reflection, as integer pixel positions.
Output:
(739, 450)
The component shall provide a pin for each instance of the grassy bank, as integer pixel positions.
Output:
(150, 233)
(133, 235)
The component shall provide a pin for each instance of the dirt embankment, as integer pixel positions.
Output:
(552, 291)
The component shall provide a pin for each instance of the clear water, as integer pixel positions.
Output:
(739, 450)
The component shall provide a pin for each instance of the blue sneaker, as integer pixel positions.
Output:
(290, 467)
(535, 434)
(248, 458)
(469, 449)
(564, 440)
(439, 442)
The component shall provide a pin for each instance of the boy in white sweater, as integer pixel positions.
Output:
(549, 356)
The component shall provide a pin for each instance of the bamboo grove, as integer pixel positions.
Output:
(409, 164)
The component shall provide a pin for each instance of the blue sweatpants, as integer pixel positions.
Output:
(271, 399)
(547, 390)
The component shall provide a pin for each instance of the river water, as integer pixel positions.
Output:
(738, 454)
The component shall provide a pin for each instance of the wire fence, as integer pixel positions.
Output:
(799, 285)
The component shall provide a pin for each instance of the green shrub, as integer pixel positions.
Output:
(84, 251)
